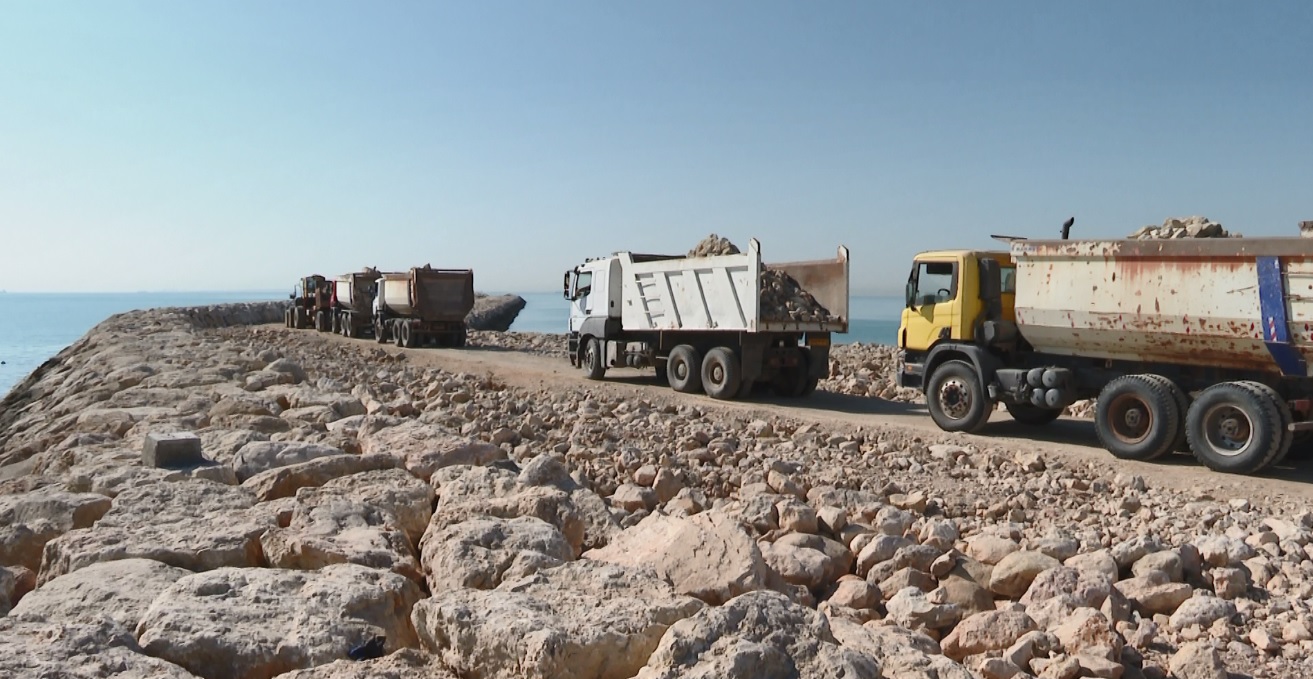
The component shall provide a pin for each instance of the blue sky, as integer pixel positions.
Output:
(240, 145)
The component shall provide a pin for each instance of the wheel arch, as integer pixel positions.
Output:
(985, 364)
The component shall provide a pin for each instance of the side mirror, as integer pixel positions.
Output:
(565, 286)
(909, 295)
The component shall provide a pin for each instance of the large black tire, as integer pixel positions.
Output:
(287, 318)
(402, 334)
(1236, 428)
(684, 369)
(1287, 417)
(956, 399)
(1137, 418)
(721, 374)
(1033, 415)
(380, 332)
(593, 359)
(320, 324)
(1180, 444)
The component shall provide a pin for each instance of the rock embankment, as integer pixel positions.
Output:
(352, 505)
(494, 312)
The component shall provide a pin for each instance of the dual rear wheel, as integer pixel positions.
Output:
(719, 373)
(1237, 427)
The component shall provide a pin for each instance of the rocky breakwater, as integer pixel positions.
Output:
(343, 513)
(494, 312)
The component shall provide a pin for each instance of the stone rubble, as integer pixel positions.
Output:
(782, 298)
(1183, 227)
(472, 528)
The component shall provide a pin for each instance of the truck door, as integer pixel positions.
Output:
(933, 307)
(590, 296)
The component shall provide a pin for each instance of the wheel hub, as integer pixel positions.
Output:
(954, 399)
(1130, 419)
(1228, 430)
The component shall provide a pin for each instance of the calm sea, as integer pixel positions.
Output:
(36, 326)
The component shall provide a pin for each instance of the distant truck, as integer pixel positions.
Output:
(312, 304)
(1188, 344)
(423, 306)
(701, 321)
(353, 303)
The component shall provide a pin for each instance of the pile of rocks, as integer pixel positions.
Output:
(783, 299)
(869, 370)
(494, 312)
(713, 246)
(1189, 227)
(352, 503)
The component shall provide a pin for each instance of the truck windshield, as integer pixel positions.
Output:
(583, 285)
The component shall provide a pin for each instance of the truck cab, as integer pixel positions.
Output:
(955, 296)
(594, 291)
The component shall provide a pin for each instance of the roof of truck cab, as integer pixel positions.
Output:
(958, 254)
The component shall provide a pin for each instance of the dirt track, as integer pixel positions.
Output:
(1069, 439)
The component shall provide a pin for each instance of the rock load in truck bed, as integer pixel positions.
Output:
(782, 298)
(1187, 227)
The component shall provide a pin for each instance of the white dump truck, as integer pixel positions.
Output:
(718, 324)
(423, 305)
(1189, 344)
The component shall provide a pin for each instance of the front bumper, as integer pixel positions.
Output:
(910, 375)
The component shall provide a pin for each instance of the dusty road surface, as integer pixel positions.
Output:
(1070, 439)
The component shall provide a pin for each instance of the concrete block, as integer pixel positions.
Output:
(181, 449)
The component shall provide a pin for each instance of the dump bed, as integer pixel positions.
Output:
(723, 292)
(355, 291)
(1244, 303)
(429, 294)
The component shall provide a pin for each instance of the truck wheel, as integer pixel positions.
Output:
(403, 334)
(1180, 444)
(462, 336)
(287, 318)
(1287, 417)
(593, 361)
(1136, 418)
(1027, 413)
(380, 332)
(721, 374)
(1236, 428)
(956, 399)
(684, 369)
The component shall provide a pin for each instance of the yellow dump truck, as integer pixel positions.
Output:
(1189, 344)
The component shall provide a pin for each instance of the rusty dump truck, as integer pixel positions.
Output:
(353, 303)
(423, 306)
(1187, 344)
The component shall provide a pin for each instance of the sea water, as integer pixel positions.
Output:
(36, 326)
